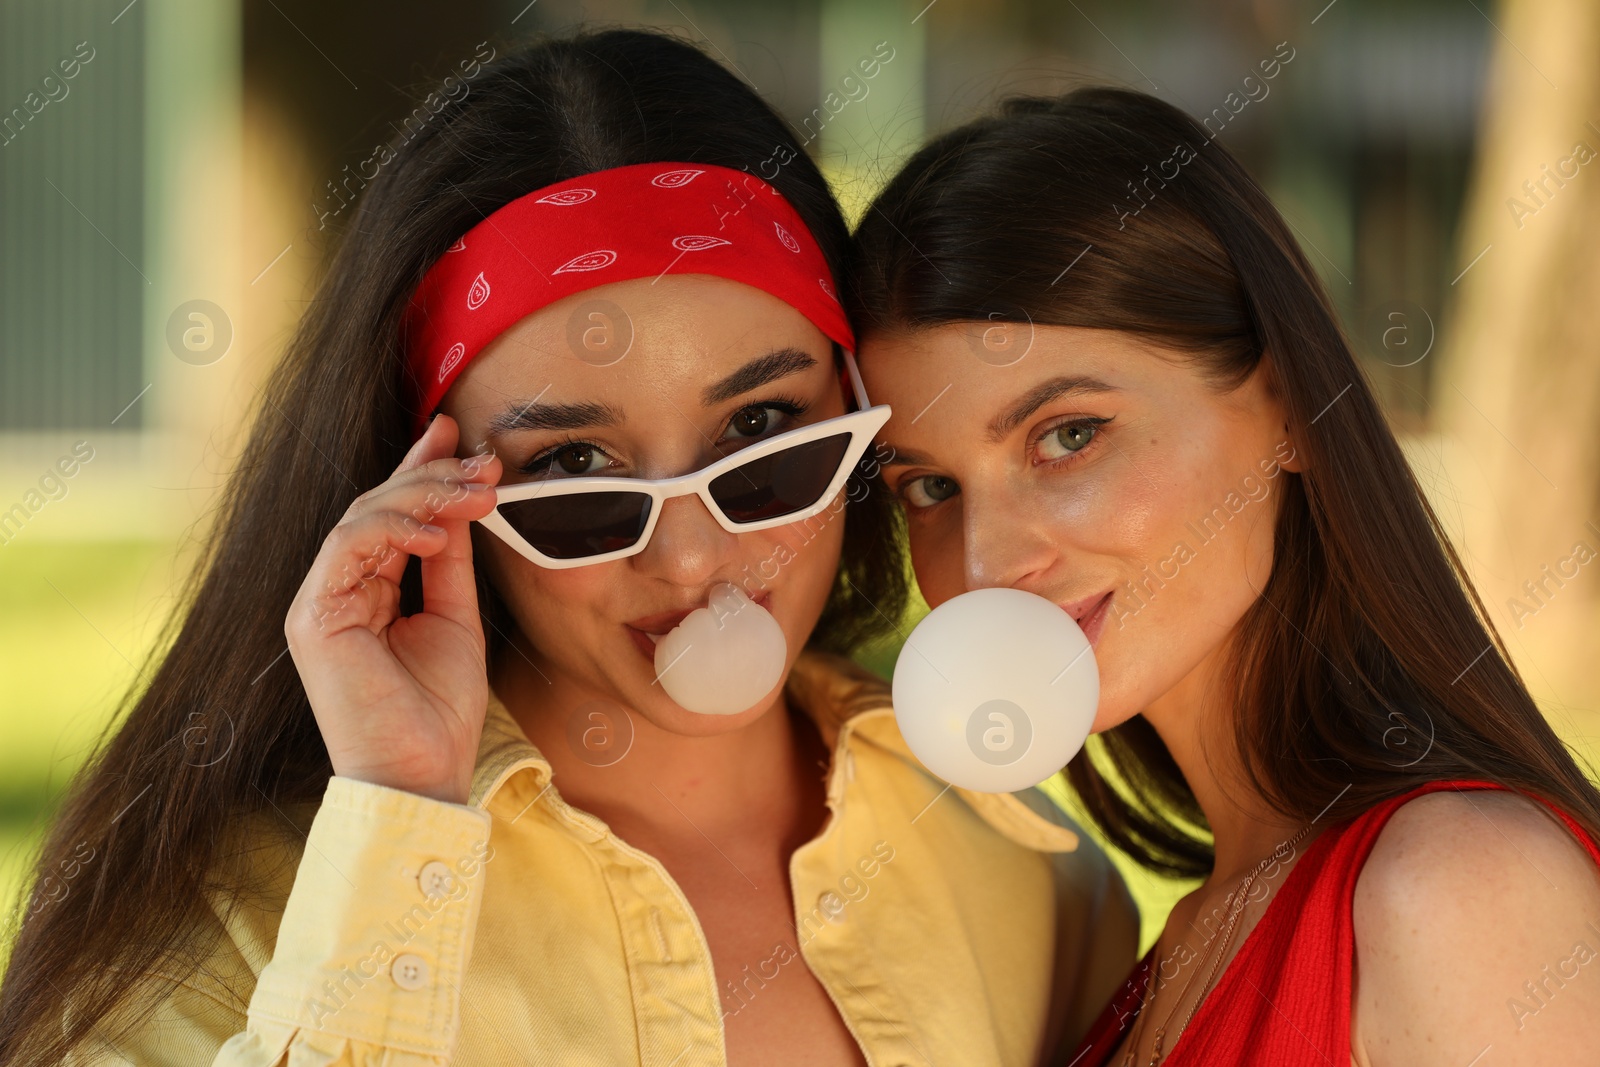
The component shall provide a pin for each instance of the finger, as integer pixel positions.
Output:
(368, 552)
(441, 441)
(439, 488)
(447, 473)
(449, 586)
(376, 538)
(438, 440)
(346, 584)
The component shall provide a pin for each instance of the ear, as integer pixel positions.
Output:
(1286, 453)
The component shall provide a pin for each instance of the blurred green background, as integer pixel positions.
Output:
(197, 155)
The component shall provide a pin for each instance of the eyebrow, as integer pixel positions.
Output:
(1010, 418)
(756, 373)
(534, 416)
(1037, 397)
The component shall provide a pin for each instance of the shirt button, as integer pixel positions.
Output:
(436, 879)
(832, 905)
(409, 971)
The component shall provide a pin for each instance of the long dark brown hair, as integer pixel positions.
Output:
(1368, 665)
(154, 811)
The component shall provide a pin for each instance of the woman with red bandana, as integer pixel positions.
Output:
(563, 502)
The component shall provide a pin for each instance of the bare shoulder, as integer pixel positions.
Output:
(1479, 834)
(1468, 901)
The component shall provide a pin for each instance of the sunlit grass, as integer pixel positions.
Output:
(75, 620)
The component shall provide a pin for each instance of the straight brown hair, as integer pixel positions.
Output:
(1369, 665)
(159, 814)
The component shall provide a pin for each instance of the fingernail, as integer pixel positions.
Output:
(477, 487)
(432, 528)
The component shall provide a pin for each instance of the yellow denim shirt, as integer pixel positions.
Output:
(385, 928)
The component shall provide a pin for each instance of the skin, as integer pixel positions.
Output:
(1462, 899)
(721, 801)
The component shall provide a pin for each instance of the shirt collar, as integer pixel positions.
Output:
(848, 703)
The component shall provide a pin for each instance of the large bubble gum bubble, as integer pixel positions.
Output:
(724, 657)
(996, 690)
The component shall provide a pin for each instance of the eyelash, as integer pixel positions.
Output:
(791, 406)
(1087, 420)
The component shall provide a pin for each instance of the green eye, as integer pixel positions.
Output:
(1066, 439)
(929, 490)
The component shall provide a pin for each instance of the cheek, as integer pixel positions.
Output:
(802, 559)
(1117, 511)
(545, 603)
(1203, 569)
(937, 557)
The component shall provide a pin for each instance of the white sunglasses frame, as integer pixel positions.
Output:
(861, 424)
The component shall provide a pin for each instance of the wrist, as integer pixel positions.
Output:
(450, 791)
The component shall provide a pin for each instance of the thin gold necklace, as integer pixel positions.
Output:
(1236, 908)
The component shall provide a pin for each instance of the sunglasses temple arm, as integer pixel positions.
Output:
(862, 403)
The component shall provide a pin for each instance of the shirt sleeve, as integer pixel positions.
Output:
(1097, 929)
(370, 951)
(1097, 937)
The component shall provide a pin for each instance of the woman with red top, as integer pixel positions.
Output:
(1117, 383)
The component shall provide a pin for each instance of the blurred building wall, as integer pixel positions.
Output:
(72, 249)
(120, 208)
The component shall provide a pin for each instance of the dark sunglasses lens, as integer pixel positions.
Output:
(580, 524)
(780, 483)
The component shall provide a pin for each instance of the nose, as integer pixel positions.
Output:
(1002, 546)
(688, 546)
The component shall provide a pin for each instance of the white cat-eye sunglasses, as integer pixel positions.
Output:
(575, 522)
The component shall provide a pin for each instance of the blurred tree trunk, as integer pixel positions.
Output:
(1517, 397)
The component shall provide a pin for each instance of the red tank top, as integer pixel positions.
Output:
(1284, 1000)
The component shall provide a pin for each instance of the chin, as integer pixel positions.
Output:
(1111, 712)
(1104, 721)
(1123, 694)
(659, 710)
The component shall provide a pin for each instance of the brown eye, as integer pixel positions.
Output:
(751, 422)
(576, 459)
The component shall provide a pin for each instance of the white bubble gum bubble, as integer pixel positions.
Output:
(722, 658)
(996, 690)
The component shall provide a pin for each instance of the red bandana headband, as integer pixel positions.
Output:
(615, 225)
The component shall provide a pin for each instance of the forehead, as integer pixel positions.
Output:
(975, 362)
(674, 334)
(1001, 353)
(983, 381)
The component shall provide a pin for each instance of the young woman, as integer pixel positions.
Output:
(461, 820)
(1118, 384)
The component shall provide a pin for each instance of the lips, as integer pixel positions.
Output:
(659, 624)
(1090, 614)
(647, 630)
